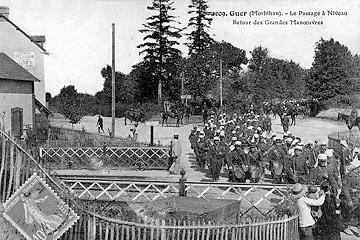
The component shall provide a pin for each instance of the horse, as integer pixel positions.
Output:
(350, 121)
(342, 116)
(172, 114)
(137, 116)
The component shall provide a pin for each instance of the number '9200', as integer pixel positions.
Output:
(217, 14)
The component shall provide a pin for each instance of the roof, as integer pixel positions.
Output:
(9, 69)
(24, 33)
(42, 107)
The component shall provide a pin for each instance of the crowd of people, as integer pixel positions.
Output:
(245, 149)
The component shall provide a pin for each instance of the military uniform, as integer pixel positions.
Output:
(238, 165)
(217, 153)
(300, 169)
(350, 196)
(276, 158)
(202, 147)
(320, 174)
(255, 161)
(285, 122)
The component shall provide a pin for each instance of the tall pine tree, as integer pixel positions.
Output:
(161, 57)
(199, 23)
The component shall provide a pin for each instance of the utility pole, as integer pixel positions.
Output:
(113, 84)
(221, 96)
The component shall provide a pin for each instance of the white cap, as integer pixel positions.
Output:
(298, 148)
(295, 142)
(233, 139)
(233, 132)
(322, 156)
(238, 143)
(201, 136)
(256, 135)
(329, 152)
(250, 127)
(288, 140)
(202, 132)
(216, 139)
(344, 143)
(222, 133)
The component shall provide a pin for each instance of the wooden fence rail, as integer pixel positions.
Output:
(91, 227)
(111, 157)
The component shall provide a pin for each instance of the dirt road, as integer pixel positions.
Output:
(308, 128)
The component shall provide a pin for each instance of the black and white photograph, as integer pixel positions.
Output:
(180, 119)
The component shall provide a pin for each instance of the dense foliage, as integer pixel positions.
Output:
(333, 79)
(70, 104)
(332, 72)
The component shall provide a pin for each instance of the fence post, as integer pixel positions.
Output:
(151, 135)
(182, 186)
(285, 236)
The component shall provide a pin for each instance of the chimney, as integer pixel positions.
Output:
(39, 39)
(4, 11)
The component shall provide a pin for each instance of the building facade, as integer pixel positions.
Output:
(17, 96)
(26, 50)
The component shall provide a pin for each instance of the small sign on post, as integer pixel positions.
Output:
(37, 212)
(186, 96)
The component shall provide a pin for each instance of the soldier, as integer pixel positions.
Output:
(194, 137)
(255, 164)
(276, 159)
(322, 173)
(345, 157)
(232, 143)
(238, 165)
(299, 167)
(333, 165)
(350, 198)
(309, 154)
(285, 122)
(202, 149)
(217, 153)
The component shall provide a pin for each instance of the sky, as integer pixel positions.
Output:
(78, 33)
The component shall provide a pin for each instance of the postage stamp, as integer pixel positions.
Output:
(37, 212)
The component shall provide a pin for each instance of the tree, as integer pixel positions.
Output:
(273, 78)
(331, 71)
(200, 23)
(161, 57)
(124, 88)
(202, 70)
(70, 104)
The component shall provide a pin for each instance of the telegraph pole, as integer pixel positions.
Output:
(113, 84)
(221, 96)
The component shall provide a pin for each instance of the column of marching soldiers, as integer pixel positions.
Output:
(243, 146)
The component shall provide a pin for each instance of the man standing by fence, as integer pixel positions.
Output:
(175, 154)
